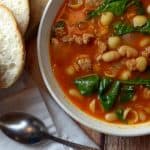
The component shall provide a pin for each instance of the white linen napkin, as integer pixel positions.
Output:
(28, 98)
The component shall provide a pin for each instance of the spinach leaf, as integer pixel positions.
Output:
(109, 97)
(119, 113)
(121, 28)
(117, 7)
(146, 28)
(127, 93)
(87, 85)
(145, 82)
(140, 9)
(104, 85)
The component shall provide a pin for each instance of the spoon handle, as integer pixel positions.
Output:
(68, 143)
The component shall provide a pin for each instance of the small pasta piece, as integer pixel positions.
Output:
(110, 56)
(144, 42)
(111, 117)
(139, 21)
(114, 42)
(125, 75)
(75, 93)
(70, 70)
(142, 116)
(148, 9)
(146, 93)
(75, 4)
(134, 98)
(141, 63)
(129, 112)
(106, 18)
(92, 106)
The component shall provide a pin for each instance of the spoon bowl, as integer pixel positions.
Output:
(22, 127)
(27, 129)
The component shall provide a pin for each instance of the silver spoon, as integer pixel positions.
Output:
(27, 129)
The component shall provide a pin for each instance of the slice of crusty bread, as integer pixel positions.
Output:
(20, 9)
(11, 49)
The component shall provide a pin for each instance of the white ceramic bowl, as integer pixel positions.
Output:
(56, 92)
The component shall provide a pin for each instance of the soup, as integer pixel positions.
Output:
(100, 55)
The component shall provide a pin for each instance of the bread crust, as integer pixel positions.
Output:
(22, 15)
(4, 82)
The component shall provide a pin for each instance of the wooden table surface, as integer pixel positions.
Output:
(106, 142)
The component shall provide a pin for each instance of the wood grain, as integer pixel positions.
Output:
(127, 143)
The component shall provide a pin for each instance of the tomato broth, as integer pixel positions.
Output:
(100, 57)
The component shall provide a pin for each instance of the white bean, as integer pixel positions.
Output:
(111, 117)
(141, 63)
(114, 42)
(128, 51)
(139, 21)
(106, 18)
(110, 56)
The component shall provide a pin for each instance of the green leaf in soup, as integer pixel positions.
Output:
(144, 82)
(93, 13)
(121, 28)
(146, 28)
(139, 6)
(119, 113)
(109, 98)
(117, 7)
(127, 93)
(87, 85)
(104, 85)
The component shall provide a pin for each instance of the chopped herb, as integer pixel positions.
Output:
(119, 113)
(127, 93)
(122, 28)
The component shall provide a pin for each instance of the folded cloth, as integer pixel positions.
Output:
(31, 100)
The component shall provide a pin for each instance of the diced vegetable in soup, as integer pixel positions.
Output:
(100, 55)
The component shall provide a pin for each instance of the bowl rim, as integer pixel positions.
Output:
(50, 90)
